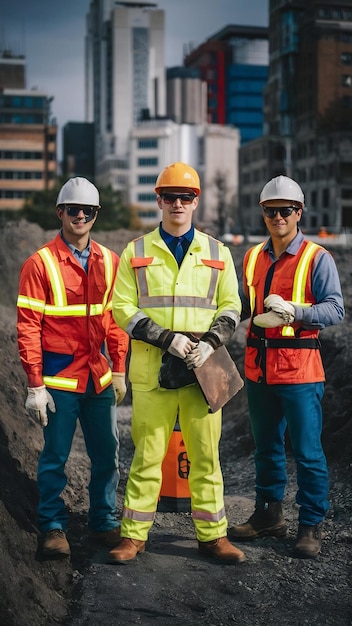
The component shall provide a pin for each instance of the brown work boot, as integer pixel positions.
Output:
(308, 544)
(222, 550)
(55, 543)
(126, 550)
(109, 538)
(266, 521)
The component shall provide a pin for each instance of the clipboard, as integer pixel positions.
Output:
(219, 379)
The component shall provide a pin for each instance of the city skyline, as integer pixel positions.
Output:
(52, 40)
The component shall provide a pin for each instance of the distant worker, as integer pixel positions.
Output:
(174, 286)
(64, 321)
(291, 290)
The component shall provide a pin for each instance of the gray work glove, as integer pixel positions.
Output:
(280, 312)
(119, 385)
(38, 399)
(199, 355)
(181, 345)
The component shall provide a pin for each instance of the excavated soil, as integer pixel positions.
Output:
(169, 584)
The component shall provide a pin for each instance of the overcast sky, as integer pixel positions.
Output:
(50, 33)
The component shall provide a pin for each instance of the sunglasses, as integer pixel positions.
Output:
(88, 211)
(170, 198)
(286, 211)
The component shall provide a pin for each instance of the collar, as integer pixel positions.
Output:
(170, 238)
(292, 247)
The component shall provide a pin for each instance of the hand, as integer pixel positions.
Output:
(268, 320)
(37, 400)
(199, 355)
(282, 307)
(119, 385)
(181, 345)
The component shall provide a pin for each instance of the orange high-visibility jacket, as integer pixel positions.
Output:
(286, 354)
(64, 318)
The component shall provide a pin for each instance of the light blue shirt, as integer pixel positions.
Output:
(82, 257)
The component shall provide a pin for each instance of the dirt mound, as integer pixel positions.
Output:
(272, 587)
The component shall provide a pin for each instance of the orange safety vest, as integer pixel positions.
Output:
(286, 354)
(64, 318)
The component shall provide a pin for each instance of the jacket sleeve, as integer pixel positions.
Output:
(32, 296)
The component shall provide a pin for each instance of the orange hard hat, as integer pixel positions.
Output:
(178, 175)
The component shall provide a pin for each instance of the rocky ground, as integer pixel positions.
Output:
(169, 583)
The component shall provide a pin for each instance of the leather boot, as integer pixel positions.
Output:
(222, 550)
(126, 550)
(266, 521)
(308, 544)
(55, 543)
(109, 538)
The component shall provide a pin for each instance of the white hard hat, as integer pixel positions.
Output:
(282, 188)
(78, 191)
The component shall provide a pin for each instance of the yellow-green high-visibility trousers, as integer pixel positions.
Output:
(153, 420)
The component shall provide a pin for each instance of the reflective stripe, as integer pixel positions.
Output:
(109, 271)
(146, 301)
(107, 378)
(252, 260)
(73, 310)
(300, 279)
(31, 303)
(57, 382)
(60, 308)
(176, 301)
(56, 280)
(206, 516)
(139, 516)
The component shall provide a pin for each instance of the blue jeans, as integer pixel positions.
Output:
(98, 418)
(272, 409)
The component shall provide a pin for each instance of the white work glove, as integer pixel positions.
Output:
(199, 355)
(119, 385)
(181, 345)
(37, 400)
(280, 312)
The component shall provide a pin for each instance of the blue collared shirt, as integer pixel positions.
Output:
(172, 241)
(326, 288)
(82, 257)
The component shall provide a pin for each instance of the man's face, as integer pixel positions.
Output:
(281, 226)
(177, 205)
(77, 220)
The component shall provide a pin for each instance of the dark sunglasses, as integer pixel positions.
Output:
(286, 211)
(170, 198)
(88, 211)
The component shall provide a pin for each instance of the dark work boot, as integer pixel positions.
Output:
(266, 521)
(308, 544)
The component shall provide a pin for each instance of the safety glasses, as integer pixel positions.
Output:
(88, 211)
(271, 211)
(185, 198)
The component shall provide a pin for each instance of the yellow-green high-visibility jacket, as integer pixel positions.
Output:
(150, 283)
(64, 318)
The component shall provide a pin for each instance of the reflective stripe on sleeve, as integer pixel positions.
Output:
(30, 303)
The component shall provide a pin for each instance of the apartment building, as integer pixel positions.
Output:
(234, 65)
(27, 136)
(307, 113)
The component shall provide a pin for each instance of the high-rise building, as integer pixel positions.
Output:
(27, 136)
(307, 113)
(234, 65)
(78, 150)
(125, 79)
